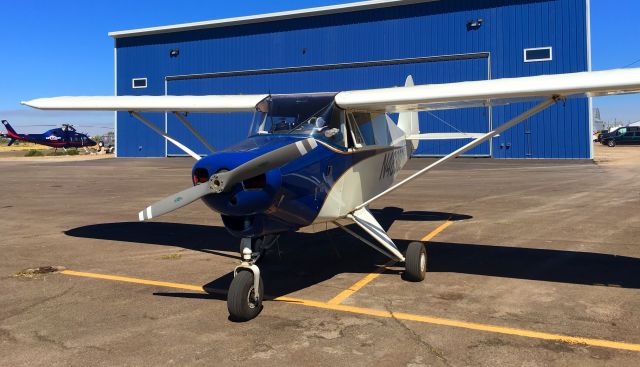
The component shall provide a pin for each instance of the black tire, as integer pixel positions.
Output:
(240, 297)
(415, 266)
(611, 143)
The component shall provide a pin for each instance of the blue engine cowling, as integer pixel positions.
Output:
(245, 207)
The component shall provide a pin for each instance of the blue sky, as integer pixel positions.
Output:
(52, 48)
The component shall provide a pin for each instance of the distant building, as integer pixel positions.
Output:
(598, 124)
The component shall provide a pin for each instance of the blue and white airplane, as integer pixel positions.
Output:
(324, 157)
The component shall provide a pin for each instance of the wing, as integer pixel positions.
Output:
(210, 104)
(491, 92)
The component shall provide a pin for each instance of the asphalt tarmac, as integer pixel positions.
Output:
(531, 263)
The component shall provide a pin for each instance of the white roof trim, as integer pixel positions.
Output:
(323, 10)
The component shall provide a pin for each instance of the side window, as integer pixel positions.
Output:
(629, 134)
(363, 126)
(355, 139)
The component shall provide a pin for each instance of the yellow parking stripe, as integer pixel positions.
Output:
(359, 284)
(438, 230)
(388, 314)
(465, 325)
(370, 277)
(134, 280)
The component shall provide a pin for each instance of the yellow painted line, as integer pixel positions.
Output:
(388, 314)
(371, 277)
(465, 325)
(438, 230)
(359, 284)
(134, 280)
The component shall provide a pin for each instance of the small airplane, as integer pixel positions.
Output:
(64, 137)
(324, 157)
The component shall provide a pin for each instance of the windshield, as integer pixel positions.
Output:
(308, 115)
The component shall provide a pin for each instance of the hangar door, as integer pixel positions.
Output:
(222, 130)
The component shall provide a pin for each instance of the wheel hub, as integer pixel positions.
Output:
(251, 298)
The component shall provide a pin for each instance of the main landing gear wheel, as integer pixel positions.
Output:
(415, 266)
(241, 301)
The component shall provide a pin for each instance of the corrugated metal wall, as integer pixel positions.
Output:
(413, 31)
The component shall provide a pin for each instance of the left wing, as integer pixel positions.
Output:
(491, 92)
(211, 104)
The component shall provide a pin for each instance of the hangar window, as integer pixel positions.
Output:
(139, 82)
(538, 54)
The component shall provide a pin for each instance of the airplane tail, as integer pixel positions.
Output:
(10, 129)
(408, 121)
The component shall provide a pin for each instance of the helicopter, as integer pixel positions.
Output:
(325, 157)
(62, 137)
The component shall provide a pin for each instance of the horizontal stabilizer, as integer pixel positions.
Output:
(445, 136)
(211, 104)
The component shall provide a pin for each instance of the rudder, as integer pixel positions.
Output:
(408, 121)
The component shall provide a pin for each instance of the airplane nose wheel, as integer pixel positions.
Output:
(415, 262)
(242, 301)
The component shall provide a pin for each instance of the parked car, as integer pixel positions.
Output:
(598, 134)
(623, 135)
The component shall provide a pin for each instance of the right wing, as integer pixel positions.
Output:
(491, 92)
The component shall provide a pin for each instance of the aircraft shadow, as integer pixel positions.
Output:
(306, 259)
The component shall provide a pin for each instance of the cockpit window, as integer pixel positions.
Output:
(316, 116)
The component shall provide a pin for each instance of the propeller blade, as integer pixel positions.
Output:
(222, 181)
(175, 201)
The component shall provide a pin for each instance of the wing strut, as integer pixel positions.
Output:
(365, 220)
(165, 135)
(195, 132)
(516, 120)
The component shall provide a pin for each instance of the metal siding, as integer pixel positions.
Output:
(223, 130)
(427, 29)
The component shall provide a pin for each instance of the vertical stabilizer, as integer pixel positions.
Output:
(10, 129)
(408, 121)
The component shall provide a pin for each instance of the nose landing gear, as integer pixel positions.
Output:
(244, 300)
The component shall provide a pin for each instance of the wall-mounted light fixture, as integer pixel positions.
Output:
(174, 52)
(474, 24)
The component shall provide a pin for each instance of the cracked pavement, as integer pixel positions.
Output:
(548, 246)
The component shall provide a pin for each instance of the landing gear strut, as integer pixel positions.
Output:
(244, 300)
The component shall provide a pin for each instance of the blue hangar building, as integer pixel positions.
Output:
(369, 44)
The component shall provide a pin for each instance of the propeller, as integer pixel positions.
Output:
(224, 181)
